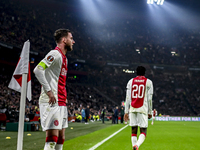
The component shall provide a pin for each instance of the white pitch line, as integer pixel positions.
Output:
(100, 143)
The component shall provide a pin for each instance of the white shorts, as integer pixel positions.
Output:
(138, 119)
(55, 117)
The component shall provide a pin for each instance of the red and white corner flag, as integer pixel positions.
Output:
(23, 67)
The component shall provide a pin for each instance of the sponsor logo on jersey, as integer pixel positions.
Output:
(64, 72)
(56, 123)
(50, 58)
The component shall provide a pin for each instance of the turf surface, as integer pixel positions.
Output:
(160, 136)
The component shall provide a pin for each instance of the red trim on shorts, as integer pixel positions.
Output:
(60, 141)
(144, 134)
(52, 138)
(133, 134)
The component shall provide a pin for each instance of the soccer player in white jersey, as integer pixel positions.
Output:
(139, 105)
(51, 72)
(154, 114)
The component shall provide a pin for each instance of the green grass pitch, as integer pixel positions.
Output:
(160, 136)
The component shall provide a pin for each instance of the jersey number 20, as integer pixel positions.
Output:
(138, 91)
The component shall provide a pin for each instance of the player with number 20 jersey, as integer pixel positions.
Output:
(139, 105)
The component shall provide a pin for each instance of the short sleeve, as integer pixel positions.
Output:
(51, 58)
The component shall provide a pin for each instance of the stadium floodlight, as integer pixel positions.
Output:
(162, 1)
(158, 2)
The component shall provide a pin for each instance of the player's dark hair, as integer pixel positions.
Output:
(60, 33)
(140, 70)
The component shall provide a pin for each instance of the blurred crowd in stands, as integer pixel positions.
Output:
(128, 41)
(174, 94)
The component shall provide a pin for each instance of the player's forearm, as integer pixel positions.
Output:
(126, 108)
(127, 101)
(40, 75)
(150, 103)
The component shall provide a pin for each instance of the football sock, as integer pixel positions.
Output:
(50, 142)
(59, 145)
(134, 139)
(141, 139)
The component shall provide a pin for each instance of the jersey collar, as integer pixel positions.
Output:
(57, 48)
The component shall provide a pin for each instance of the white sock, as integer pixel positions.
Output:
(134, 140)
(50, 146)
(140, 140)
(59, 147)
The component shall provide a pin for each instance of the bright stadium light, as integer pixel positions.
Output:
(159, 2)
(162, 1)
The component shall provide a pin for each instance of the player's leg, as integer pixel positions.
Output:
(64, 122)
(143, 124)
(51, 139)
(142, 136)
(153, 118)
(134, 125)
(50, 124)
(61, 139)
(134, 135)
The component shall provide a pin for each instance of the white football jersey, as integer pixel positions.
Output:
(55, 75)
(139, 95)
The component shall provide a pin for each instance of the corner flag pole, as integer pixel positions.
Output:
(24, 71)
(22, 112)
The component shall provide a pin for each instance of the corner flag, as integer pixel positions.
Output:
(21, 77)
(23, 66)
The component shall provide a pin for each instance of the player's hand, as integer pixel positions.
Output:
(149, 116)
(66, 101)
(52, 99)
(126, 117)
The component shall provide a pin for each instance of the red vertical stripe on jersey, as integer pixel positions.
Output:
(62, 93)
(138, 91)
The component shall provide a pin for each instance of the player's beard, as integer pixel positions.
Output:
(68, 47)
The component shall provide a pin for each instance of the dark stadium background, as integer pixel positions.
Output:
(111, 36)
